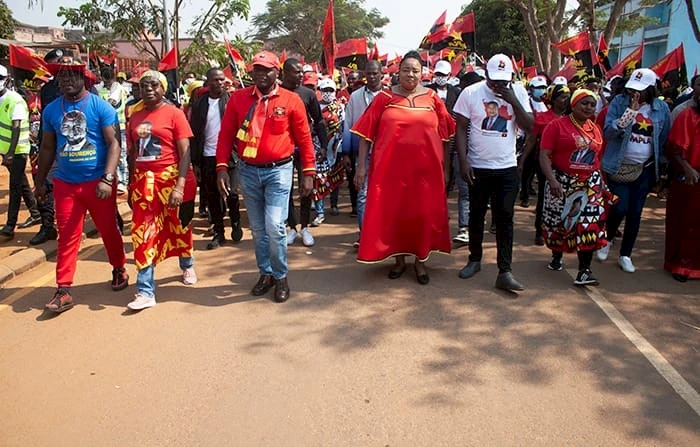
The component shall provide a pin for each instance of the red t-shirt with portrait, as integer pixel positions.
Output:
(575, 150)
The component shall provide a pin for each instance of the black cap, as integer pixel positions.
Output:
(56, 53)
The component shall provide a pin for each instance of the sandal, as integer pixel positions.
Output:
(397, 271)
(422, 278)
(61, 301)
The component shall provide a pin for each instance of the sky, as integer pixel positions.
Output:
(409, 19)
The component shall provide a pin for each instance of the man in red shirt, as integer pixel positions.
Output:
(263, 123)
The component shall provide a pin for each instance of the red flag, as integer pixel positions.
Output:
(169, 61)
(351, 53)
(579, 48)
(628, 64)
(530, 72)
(438, 32)
(374, 55)
(603, 53)
(671, 69)
(568, 70)
(234, 55)
(283, 57)
(24, 59)
(462, 33)
(328, 39)
(458, 64)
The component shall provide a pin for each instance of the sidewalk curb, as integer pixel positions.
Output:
(29, 257)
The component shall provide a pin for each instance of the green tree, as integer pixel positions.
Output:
(202, 56)
(295, 25)
(7, 26)
(141, 22)
(499, 28)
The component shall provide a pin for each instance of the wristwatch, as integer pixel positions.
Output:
(108, 177)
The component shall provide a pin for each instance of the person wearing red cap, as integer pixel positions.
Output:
(79, 133)
(263, 123)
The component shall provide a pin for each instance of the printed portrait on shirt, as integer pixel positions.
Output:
(496, 119)
(74, 128)
(149, 146)
(583, 155)
(573, 206)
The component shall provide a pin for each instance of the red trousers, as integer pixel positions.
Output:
(72, 202)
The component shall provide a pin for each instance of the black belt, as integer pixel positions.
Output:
(272, 164)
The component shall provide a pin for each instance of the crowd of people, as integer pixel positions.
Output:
(402, 141)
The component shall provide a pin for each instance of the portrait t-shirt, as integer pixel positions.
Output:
(153, 136)
(574, 151)
(639, 147)
(81, 150)
(492, 128)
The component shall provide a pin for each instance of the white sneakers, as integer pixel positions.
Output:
(307, 238)
(292, 236)
(189, 277)
(603, 253)
(141, 302)
(318, 220)
(462, 236)
(625, 263)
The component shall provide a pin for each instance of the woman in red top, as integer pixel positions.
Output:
(682, 257)
(161, 188)
(576, 200)
(406, 211)
(558, 100)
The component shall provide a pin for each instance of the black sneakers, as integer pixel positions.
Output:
(586, 278)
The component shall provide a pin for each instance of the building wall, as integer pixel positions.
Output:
(659, 39)
(681, 32)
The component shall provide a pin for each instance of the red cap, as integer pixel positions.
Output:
(310, 78)
(266, 59)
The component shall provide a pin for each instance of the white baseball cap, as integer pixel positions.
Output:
(443, 67)
(641, 78)
(326, 83)
(538, 81)
(560, 80)
(306, 68)
(499, 68)
(3, 71)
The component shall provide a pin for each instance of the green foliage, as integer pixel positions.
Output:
(499, 29)
(296, 25)
(629, 22)
(201, 55)
(141, 21)
(7, 26)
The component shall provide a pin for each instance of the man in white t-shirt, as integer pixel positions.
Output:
(488, 161)
(205, 121)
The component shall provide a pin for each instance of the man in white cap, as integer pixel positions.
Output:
(537, 88)
(488, 162)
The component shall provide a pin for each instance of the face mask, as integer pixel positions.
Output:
(537, 93)
(441, 81)
(328, 97)
(3, 82)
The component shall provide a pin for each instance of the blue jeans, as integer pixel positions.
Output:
(463, 197)
(629, 207)
(123, 166)
(145, 280)
(266, 193)
(362, 196)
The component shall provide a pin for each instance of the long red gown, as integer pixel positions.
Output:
(406, 210)
(682, 255)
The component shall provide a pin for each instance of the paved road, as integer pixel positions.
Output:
(354, 358)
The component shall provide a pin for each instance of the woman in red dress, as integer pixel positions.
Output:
(682, 257)
(576, 199)
(406, 211)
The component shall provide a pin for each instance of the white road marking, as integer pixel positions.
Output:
(668, 372)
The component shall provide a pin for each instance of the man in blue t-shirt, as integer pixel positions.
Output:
(79, 132)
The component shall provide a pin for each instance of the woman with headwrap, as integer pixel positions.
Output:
(557, 98)
(162, 187)
(576, 200)
(406, 206)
